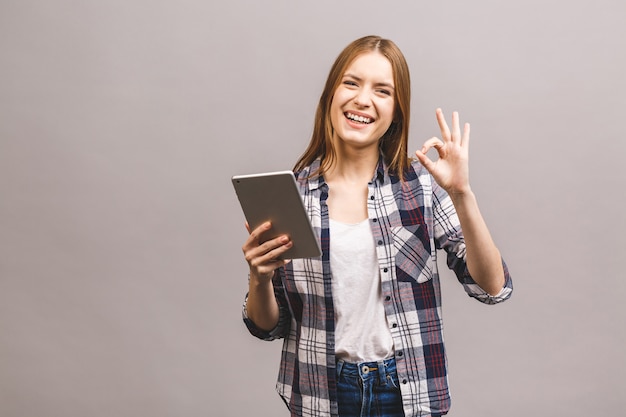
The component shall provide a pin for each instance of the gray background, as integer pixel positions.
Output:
(121, 123)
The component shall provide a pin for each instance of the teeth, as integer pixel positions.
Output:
(360, 119)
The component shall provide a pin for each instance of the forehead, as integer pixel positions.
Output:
(371, 64)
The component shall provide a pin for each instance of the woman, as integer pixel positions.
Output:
(362, 324)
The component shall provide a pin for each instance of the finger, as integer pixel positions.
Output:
(466, 135)
(271, 258)
(264, 227)
(425, 160)
(456, 130)
(436, 143)
(248, 227)
(443, 126)
(255, 235)
(269, 268)
(253, 250)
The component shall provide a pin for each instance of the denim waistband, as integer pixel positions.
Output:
(368, 370)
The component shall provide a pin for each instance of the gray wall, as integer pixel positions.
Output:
(121, 122)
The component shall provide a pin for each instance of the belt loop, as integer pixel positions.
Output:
(382, 373)
(340, 363)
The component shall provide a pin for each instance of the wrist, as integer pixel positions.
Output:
(259, 280)
(462, 194)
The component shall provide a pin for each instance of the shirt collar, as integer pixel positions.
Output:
(317, 181)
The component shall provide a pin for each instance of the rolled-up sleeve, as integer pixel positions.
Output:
(284, 319)
(475, 291)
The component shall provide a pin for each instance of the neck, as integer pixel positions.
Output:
(356, 165)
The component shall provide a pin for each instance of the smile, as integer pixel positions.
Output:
(358, 119)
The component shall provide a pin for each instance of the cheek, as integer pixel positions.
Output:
(336, 110)
(339, 99)
(335, 118)
(387, 111)
(391, 112)
(390, 116)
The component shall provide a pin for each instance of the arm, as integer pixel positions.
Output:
(482, 256)
(261, 305)
(451, 172)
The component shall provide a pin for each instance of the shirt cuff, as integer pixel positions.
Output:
(475, 291)
(276, 333)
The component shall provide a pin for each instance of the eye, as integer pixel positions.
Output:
(350, 83)
(384, 92)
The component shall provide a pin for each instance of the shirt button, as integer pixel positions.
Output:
(385, 269)
(371, 198)
(394, 325)
(374, 220)
(380, 242)
(404, 381)
(387, 298)
(400, 353)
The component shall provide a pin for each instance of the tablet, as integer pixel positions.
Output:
(274, 197)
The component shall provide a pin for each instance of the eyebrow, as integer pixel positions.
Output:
(380, 84)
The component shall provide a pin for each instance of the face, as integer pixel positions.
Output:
(362, 108)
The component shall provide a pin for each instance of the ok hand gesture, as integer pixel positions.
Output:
(451, 170)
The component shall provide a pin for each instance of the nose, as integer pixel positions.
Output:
(362, 98)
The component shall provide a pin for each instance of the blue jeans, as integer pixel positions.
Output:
(368, 389)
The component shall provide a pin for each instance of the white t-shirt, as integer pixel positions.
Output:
(361, 330)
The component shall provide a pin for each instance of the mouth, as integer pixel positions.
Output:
(358, 119)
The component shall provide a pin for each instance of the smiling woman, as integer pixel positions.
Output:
(362, 323)
(391, 75)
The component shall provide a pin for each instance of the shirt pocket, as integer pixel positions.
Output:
(413, 255)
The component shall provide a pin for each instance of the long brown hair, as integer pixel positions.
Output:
(394, 143)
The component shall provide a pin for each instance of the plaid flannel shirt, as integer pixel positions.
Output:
(410, 220)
